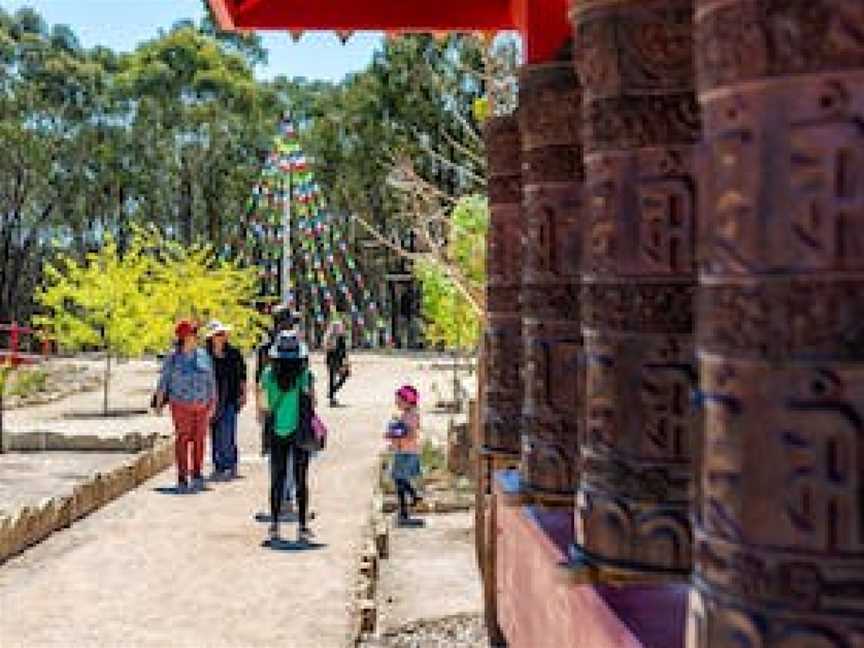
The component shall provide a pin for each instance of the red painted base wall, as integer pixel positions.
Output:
(538, 608)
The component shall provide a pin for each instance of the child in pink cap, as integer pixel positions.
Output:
(403, 432)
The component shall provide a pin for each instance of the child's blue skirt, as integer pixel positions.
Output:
(406, 465)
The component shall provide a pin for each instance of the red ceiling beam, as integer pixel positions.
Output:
(545, 28)
(383, 15)
(543, 23)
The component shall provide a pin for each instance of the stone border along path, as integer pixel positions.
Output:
(157, 569)
(32, 524)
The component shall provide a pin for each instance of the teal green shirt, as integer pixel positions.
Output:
(287, 404)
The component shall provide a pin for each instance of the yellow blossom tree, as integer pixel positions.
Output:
(102, 302)
(192, 283)
(127, 306)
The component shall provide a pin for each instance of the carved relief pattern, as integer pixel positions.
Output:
(504, 389)
(780, 541)
(550, 120)
(742, 41)
(642, 119)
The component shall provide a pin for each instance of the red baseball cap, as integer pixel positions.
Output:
(184, 329)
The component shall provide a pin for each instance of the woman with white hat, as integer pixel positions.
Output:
(230, 369)
(279, 394)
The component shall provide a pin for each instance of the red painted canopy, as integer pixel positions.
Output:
(543, 23)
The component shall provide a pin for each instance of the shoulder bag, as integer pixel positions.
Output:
(311, 432)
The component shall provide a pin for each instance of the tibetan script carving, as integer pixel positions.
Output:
(550, 119)
(642, 120)
(780, 541)
(504, 258)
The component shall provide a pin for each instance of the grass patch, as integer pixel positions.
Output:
(27, 382)
(432, 457)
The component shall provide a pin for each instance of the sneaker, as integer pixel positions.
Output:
(304, 535)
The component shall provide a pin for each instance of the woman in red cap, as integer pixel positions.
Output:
(188, 384)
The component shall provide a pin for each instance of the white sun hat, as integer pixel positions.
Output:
(215, 327)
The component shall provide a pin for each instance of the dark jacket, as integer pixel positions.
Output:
(230, 372)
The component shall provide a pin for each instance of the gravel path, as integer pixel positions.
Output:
(157, 569)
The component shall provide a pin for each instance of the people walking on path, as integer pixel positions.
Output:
(230, 370)
(336, 347)
(403, 433)
(278, 394)
(283, 320)
(188, 384)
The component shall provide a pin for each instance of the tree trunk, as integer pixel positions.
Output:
(107, 380)
(122, 224)
(2, 389)
(186, 206)
(214, 222)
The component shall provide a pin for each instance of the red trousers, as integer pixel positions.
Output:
(191, 421)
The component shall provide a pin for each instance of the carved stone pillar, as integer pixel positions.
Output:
(504, 263)
(634, 58)
(780, 540)
(550, 119)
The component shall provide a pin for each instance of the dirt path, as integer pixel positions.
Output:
(156, 569)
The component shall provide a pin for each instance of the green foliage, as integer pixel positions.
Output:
(27, 382)
(96, 142)
(450, 317)
(432, 457)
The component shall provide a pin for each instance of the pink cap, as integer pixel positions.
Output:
(408, 394)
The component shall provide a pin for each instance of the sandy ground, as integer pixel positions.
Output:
(431, 572)
(158, 569)
(28, 477)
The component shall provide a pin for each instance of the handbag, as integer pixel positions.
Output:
(305, 435)
(311, 432)
(320, 431)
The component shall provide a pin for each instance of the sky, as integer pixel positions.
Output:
(122, 24)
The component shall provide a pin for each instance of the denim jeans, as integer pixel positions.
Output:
(224, 439)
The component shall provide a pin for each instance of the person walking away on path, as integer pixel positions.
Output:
(336, 346)
(403, 433)
(187, 382)
(279, 388)
(283, 320)
(230, 370)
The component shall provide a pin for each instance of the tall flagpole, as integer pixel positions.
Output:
(286, 242)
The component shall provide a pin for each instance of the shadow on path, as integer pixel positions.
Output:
(284, 517)
(173, 490)
(287, 545)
